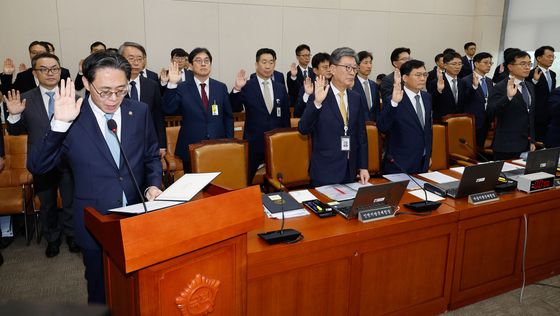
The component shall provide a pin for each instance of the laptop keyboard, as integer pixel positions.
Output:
(452, 192)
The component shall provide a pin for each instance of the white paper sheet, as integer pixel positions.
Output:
(187, 186)
(437, 177)
(139, 209)
(509, 167)
(431, 197)
(302, 195)
(357, 185)
(396, 177)
(288, 214)
(337, 192)
(519, 162)
(458, 169)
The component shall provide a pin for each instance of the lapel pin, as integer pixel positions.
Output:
(277, 101)
(129, 112)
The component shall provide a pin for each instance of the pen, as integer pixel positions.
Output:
(339, 190)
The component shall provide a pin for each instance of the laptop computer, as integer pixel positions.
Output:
(372, 197)
(477, 178)
(544, 160)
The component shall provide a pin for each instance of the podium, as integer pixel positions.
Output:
(190, 259)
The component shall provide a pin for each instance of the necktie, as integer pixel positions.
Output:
(454, 89)
(51, 103)
(548, 79)
(484, 86)
(113, 144)
(304, 74)
(342, 107)
(204, 96)
(419, 111)
(368, 94)
(525, 93)
(470, 62)
(133, 91)
(267, 97)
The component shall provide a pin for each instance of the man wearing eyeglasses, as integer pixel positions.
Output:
(31, 114)
(145, 90)
(399, 56)
(468, 59)
(321, 63)
(406, 121)
(202, 101)
(544, 80)
(513, 102)
(448, 91)
(298, 72)
(79, 134)
(334, 116)
(478, 88)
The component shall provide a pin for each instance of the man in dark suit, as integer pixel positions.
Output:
(25, 80)
(267, 105)
(501, 72)
(298, 73)
(478, 88)
(202, 101)
(432, 74)
(544, 80)
(553, 132)
(31, 115)
(513, 102)
(406, 121)
(181, 58)
(334, 117)
(321, 67)
(93, 48)
(145, 90)
(366, 87)
(399, 56)
(79, 133)
(276, 76)
(448, 92)
(468, 62)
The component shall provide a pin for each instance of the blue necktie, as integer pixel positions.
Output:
(548, 79)
(484, 86)
(133, 91)
(51, 103)
(525, 93)
(113, 144)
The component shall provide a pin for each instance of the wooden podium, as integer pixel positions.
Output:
(189, 259)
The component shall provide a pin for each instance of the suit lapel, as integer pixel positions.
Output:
(259, 96)
(40, 106)
(196, 96)
(127, 128)
(334, 106)
(412, 110)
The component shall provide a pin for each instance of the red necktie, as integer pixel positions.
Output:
(204, 96)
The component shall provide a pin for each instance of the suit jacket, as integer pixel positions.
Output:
(432, 74)
(475, 104)
(295, 85)
(151, 75)
(386, 88)
(514, 121)
(553, 132)
(98, 182)
(406, 140)
(466, 69)
(25, 80)
(444, 102)
(499, 76)
(197, 124)
(329, 164)
(150, 94)
(277, 76)
(542, 115)
(373, 113)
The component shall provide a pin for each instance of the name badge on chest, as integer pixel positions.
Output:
(215, 109)
(278, 112)
(345, 143)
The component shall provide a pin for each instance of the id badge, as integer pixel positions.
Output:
(278, 112)
(215, 109)
(345, 143)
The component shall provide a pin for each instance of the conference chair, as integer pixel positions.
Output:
(173, 120)
(288, 153)
(238, 127)
(294, 121)
(374, 148)
(16, 190)
(173, 163)
(228, 156)
(440, 159)
(460, 134)
(239, 116)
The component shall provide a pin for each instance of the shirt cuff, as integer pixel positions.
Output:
(60, 126)
(14, 118)
(394, 104)
(318, 105)
(294, 78)
(171, 85)
(305, 97)
(534, 81)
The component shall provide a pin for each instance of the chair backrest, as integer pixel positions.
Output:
(287, 152)
(228, 156)
(172, 133)
(294, 121)
(439, 148)
(173, 120)
(15, 171)
(374, 148)
(239, 116)
(460, 126)
(238, 127)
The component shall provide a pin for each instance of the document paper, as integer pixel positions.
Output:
(187, 187)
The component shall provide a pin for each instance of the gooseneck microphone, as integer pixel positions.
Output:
(112, 125)
(424, 206)
(283, 235)
(508, 185)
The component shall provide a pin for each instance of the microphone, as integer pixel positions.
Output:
(112, 125)
(508, 185)
(424, 206)
(283, 235)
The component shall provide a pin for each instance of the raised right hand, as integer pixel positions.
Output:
(80, 65)
(475, 80)
(440, 82)
(9, 67)
(308, 86)
(163, 75)
(537, 74)
(66, 108)
(511, 88)
(240, 80)
(14, 103)
(174, 73)
(22, 67)
(397, 88)
(321, 89)
(293, 69)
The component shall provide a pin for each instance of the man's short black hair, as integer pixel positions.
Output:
(197, 51)
(469, 44)
(38, 43)
(179, 52)
(49, 45)
(410, 65)
(105, 59)
(94, 44)
(363, 55)
(43, 55)
(540, 51)
(263, 51)
(508, 51)
(319, 58)
(302, 47)
(449, 50)
(438, 56)
(450, 56)
(512, 56)
(397, 51)
(480, 56)
(380, 76)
